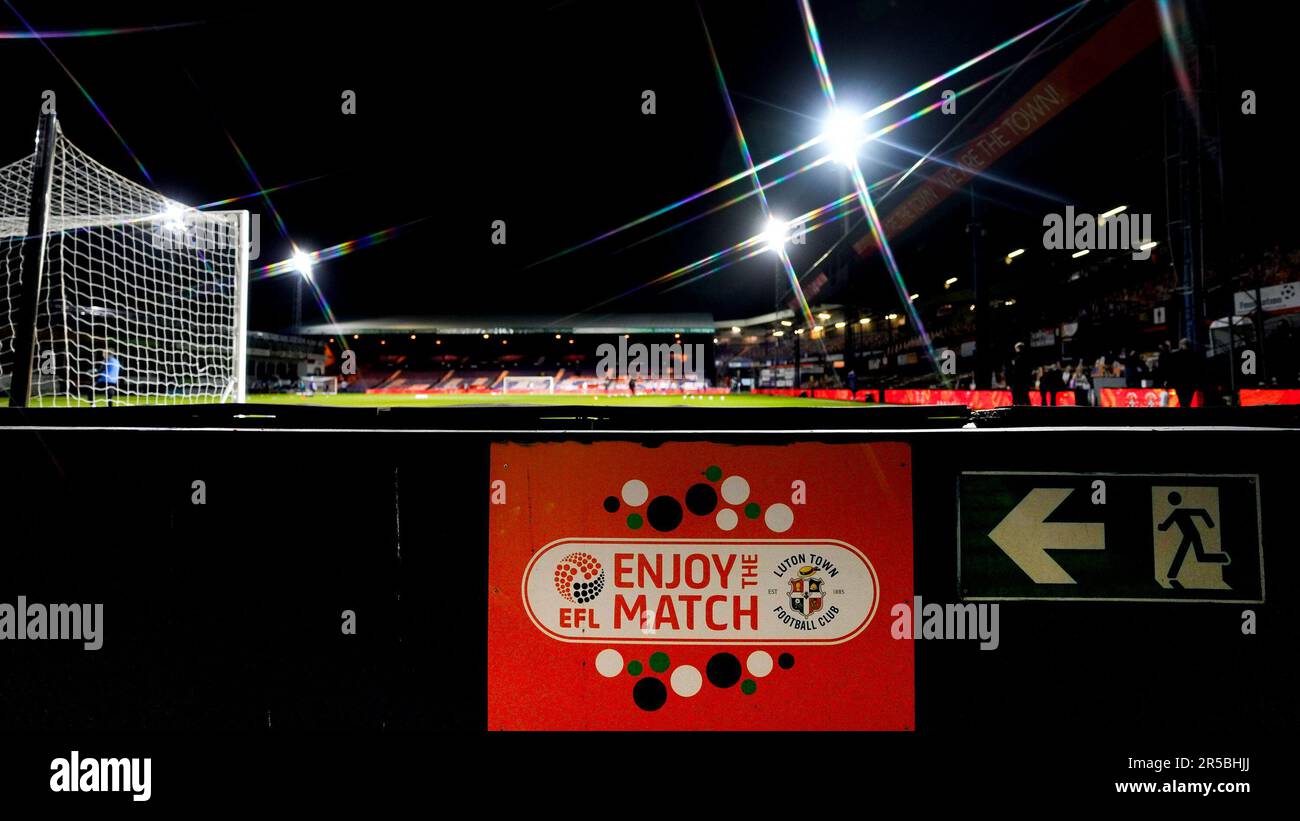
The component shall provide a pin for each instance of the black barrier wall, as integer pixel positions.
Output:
(224, 617)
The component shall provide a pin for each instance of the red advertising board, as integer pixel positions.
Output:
(973, 399)
(1143, 398)
(695, 586)
(1263, 396)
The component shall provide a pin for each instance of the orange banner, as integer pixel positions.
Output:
(695, 586)
(1127, 34)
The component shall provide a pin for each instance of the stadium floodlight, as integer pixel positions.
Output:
(735, 329)
(866, 320)
(949, 282)
(823, 316)
(173, 216)
(798, 331)
(778, 333)
(1014, 254)
(302, 262)
(786, 323)
(840, 325)
(1078, 254)
(1146, 246)
(843, 134)
(1102, 217)
(777, 233)
(913, 297)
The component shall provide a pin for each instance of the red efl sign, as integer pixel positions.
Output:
(699, 586)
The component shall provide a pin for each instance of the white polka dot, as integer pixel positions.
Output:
(686, 681)
(735, 490)
(759, 663)
(609, 662)
(727, 519)
(779, 517)
(635, 492)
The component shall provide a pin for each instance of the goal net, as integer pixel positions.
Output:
(312, 385)
(528, 384)
(142, 299)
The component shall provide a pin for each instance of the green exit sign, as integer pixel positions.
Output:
(1112, 537)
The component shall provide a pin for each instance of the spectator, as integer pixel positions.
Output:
(1185, 372)
(1081, 384)
(1020, 375)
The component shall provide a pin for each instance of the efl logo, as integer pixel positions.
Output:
(700, 591)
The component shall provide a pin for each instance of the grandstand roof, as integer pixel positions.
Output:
(695, 323)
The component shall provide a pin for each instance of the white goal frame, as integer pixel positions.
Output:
(550, 381)
(122, 271)
(317, 384)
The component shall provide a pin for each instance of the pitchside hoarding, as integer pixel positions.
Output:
(699, 586)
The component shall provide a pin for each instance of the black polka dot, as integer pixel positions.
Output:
(664, 513)
(701, 499)
(785, 660)
(611, 504)
(723, 670)
(649, 694)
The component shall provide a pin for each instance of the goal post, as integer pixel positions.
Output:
(111, 293)
(316, 384)
(528, 384)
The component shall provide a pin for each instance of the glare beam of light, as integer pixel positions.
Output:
(342, 249)
(863, 191)
(778, 247)
(35, 35)
(811, 142)
(79, 33)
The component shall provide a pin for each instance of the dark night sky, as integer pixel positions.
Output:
(531, 113)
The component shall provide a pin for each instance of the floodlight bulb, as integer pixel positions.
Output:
(776, 233)
(302, 263)
(843, 135)
(173, 216)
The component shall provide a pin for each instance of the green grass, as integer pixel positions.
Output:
(373, 400)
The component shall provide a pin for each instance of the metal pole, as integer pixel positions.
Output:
(798, 358)
(27, 304)
(983, 379)
(241, 310)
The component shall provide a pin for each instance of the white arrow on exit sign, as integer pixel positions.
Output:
(1025, 537)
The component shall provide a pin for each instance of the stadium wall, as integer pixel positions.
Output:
(223, 617)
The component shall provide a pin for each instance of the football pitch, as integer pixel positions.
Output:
(378, 400)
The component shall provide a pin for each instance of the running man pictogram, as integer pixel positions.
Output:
(1185, 519)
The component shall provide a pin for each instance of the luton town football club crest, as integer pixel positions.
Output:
(806, 593)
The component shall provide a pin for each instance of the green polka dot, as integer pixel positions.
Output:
(748, 686)
(634, 667)
(635, 521)
(752, 510)
(713, 474)
(659, 662)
